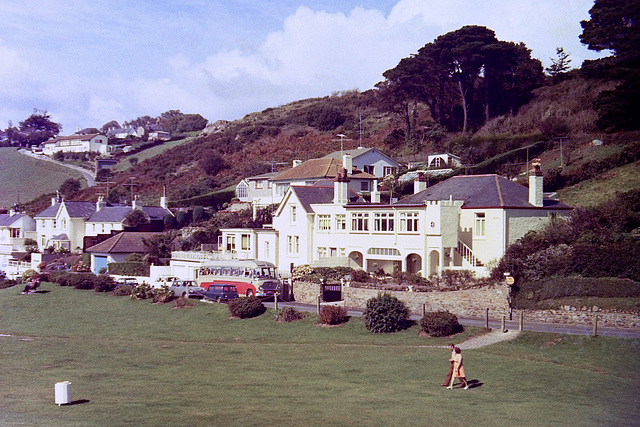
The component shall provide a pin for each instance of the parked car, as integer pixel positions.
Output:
(220, 292)
(130, 281)
(187, 288)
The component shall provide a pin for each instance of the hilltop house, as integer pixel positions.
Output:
(465, 222)
(369, 160)
(92, 143)
(326, 168)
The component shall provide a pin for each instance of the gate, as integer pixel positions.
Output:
(331, 292)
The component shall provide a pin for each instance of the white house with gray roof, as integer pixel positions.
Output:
(465, 222)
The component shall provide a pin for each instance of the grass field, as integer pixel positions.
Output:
(143, 155)
(24, 178)
(135, 363)
(598, 190)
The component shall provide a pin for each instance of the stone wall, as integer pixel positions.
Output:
(467, 303)
(473, 303)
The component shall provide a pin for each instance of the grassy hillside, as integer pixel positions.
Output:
(24, 178)
(596, 191)
(149, 153)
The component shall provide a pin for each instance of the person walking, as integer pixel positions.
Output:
(447, 381)
(458, 370)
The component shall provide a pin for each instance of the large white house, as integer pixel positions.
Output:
(77, 144)
(15, 228)
(465, 222)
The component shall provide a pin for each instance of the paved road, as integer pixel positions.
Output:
(87, 175)
(497, 324)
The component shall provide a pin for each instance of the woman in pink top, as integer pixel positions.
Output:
(458, 370)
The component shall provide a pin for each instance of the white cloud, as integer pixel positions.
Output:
(117, 70)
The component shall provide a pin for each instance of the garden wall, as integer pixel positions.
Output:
(473, 303)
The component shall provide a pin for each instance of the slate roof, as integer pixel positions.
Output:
(119, 213)
(312, 194)
(75, 209)
(267, 175)
(7, 220)
(125, 242)
(325, 167)
(86, 137)
(480, 191)
(357, 152)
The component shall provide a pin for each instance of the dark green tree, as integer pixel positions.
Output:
(109, 125)
(559, 65)
(614, 26)
(160, 245)
(70, 187)
(35, 129)
(170, 120)
(191, 123)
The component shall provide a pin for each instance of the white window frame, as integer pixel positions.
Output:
(480, 225)
(360, 222)
(383, 222)
(324, 222)
(409, 222)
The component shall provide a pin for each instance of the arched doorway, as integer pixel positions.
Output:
(414, 263)
(357, 257)
(434, 262)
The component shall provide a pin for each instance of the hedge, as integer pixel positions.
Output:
(129, 268)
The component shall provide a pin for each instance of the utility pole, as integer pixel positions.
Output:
(131, 186)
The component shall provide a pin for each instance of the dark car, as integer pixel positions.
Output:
(220, 292)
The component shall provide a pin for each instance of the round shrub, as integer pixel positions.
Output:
(27, 275)
(122, 290)
(245, 307)
(163, 294)
(103, 283)
(333, 315)
(142, 291)
(183, 302)
(360, 276)
(82, 280)
(386, 313)
(289, 314)
(62, 278)
(440, 324)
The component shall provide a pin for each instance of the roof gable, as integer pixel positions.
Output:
(314, 169)
(124, 242)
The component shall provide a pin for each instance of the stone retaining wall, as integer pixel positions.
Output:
(473, 303)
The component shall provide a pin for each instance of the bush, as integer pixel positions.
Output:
(245, 307)
(122, 290)
(440, 324)
(360, 276)
(82, 280)
(27, 275)
(289, 314)
(163, 294)
(132, 268)
(142, 291)
(333, 315)
(386, 313)
(7, 283)
(103, 283)
(183, 302)
(62, 278)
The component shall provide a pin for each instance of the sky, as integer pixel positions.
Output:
(87, 62)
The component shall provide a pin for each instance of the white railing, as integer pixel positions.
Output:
(201, 256)
(466, 253)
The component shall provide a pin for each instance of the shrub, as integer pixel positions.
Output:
(62, 278)
(82, 280)
(333, 315)
(360, 276)
(440, 324)
(386, 313)
(163, 294)
(183, 302)
(27, 275)
(122, 290)
(289, 314)
(103, 283)
(245, 307)
(142, 291)
(7, 283)
(130, 268)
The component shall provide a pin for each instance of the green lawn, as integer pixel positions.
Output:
(143, 155)
(24, 178)
(135, 363)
